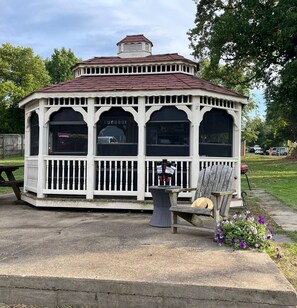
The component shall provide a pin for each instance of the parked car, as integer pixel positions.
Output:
(259, 151)
(280, 151)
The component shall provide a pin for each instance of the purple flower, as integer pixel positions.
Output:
(232, 241)
(261, 220)
(242, 245)
(269, 236)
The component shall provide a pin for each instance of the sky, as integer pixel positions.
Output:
(92, 28)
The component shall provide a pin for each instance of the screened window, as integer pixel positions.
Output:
(167, 133)
(216, 134)
(34, 134)
(68, 133)
(117, 133)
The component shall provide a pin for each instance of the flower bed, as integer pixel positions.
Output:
(243, 231)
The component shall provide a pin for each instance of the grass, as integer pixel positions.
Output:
(19, 173)
(275, 174)
(278, 176)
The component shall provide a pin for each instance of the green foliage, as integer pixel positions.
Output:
(243, 231)
(251, 130)
(59, 65)
(20, 74)
(260, 38)
(281, 99)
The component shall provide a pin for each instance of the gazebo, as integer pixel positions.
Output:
(94, 141)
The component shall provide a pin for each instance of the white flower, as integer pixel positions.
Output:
(254, 230)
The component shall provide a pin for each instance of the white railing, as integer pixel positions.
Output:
(66, 176)
(181, 177)
(205, 162)
(116, 176)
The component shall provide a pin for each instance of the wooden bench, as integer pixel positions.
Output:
(15, 185)
(10, 180)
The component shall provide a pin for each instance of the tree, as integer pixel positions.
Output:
(59, 65)
(259, 37)
(281, 98)
(20, 74)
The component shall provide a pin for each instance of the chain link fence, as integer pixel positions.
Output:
(11, 145)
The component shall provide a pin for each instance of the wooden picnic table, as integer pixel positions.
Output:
(10, 179)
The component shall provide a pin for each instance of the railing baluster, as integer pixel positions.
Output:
(79, 174)
(63, 174)
(53, 174)
(181, 174)
(46, 174)
(85, 175)
(147, 175)
(127, 170)
(104, 175)
(115, 175)
(99, 173)
(121, 175)
(73, 163)
(110, 169)
(132, 176)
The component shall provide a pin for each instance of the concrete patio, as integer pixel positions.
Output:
(116, 259)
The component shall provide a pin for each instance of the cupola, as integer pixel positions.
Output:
(134, 46)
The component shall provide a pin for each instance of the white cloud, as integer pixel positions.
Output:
(92, 28)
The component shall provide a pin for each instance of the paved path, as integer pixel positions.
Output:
(283, 215)
(108, 259)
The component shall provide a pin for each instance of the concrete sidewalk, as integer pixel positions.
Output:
(116, 259)
(283, 215)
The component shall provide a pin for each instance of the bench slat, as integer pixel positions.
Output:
(9, 183)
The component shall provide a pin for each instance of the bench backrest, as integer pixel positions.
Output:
(216, 178)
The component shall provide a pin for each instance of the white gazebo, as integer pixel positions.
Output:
(94, 141)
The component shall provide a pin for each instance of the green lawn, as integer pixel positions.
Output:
(277, 175)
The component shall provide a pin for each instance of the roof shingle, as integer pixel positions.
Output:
(137, 38)
(177, 81)
(171, 57)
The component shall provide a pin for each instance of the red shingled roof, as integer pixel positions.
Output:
(171, 57)
(135, 39)
(177, 81)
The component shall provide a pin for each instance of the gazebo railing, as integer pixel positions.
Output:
(113, 175)
(66, 175)
(116, 176)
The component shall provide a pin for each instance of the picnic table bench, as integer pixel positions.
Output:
(10, 179)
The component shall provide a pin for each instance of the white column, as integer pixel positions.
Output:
(141, 149)
(236, 150)
(27, 146)
(42, 149)
(91, 149)
(194, 149)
